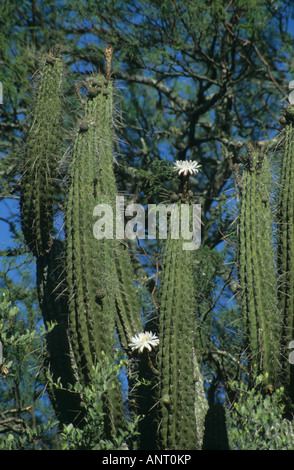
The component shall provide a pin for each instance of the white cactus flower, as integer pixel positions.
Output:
(186, 167)
(144, 340)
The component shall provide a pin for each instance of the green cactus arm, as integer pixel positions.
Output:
(285, 243)
(90, 261)
(128, 311)
(182, 402)
(91, 277)
(262, 322)
(246, 273)
(41, 148)
(102, 295)
(286, 231)
(216, 436)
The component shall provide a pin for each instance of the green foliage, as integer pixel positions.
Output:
(29, 439)
(21, 403)
(256, 419)
(92, 435)
(156, 182)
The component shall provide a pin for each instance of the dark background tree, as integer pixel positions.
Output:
(195, 80)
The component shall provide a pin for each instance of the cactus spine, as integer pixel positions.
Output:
(257, 269)
(286, 241)
(41, 151)
(182, 402)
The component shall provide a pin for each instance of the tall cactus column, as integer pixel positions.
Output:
(41, 156)
(101, 291)
(90, 264)
(286, 241)
(182, 402)
(262, 322)
(40, 152)
(85, 286)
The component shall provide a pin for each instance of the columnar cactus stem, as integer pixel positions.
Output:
(128, 313)
(286, 241)
(41, 153)
(182, 402)
(37, 213)
(86, 285)
(91, 275)
(262, 321)
(98, 293)
(87, 259)
(216, 436)
(101, 287)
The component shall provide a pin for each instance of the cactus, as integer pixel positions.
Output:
(89, 263)
(262, 323)
(41, 147)
(286, 241)
(182, 402)
(102, 294)
(95, 293)
(86, 285)
(41, 155)
(128, 312)
(90, 273)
